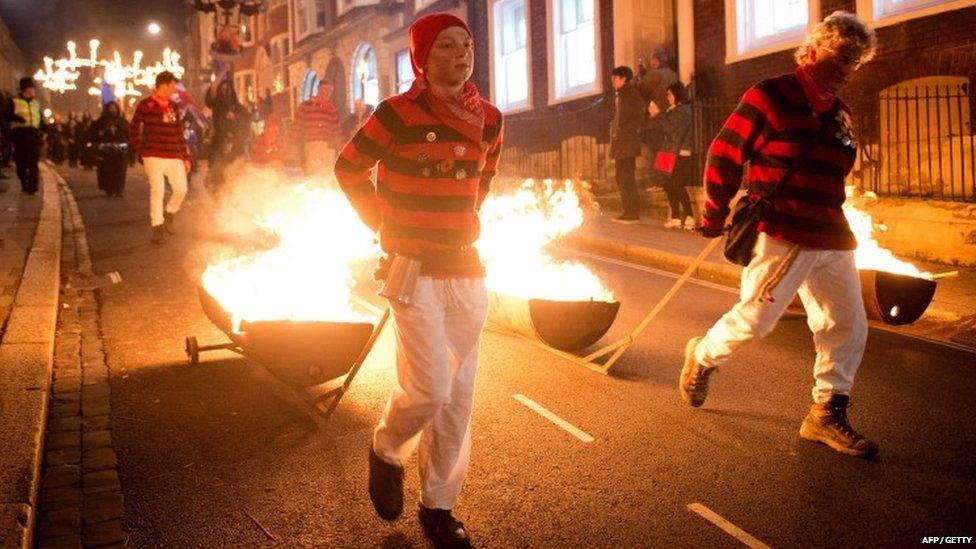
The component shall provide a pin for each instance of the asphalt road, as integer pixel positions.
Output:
(208, 452)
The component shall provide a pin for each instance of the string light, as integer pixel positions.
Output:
(61, 75)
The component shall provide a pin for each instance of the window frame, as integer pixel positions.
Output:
(354, 78)
(868, 10)
(526, 104)
(345, 6)
(768, 46)
(597, 87)
(250, 24)
(420, 5)
(311, 18)
(396, 71)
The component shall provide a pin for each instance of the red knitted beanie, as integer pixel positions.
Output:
(422, 33)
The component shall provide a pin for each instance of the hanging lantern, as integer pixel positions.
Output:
(229, 24)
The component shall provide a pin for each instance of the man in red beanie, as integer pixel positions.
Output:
(436, 147)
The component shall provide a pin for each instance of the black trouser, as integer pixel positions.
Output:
(111, 173)
(675, 188)
(27, 153)
(627, 184)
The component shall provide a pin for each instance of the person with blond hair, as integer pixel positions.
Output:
(795, 134)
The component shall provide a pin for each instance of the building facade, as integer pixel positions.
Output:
(12, 65)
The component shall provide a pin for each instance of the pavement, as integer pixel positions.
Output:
(220, 454)
(950, 318)
(31, 230)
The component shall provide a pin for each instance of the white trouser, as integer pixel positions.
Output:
(830, 289)
(158, 171)
(319, 158)
(437, 356)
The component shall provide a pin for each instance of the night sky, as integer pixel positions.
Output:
(41, 27)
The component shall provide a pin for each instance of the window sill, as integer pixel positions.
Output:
(763, 51)
(515, 109)
(865, 10)
(574, 96)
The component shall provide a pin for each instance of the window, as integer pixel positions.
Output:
(244, 86)
(346, 5)
(404, 71)
(248, 31)
(509, 55)
(573, 49)
(759, 27)
(279, 50)
(309, 87)
(309, 17)
(879, 13)
(422, 4)
(365, 84)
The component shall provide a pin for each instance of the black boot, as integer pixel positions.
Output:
(158, 234)
(827, 423)
(168, 222)
(385, 487)
(443, 529)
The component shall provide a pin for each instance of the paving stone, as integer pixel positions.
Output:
(67, 398)
(96, 439)
(96, 407)
(67, 385)
(97, 390)
(68, 409)
(64, 456)
(98, 459)
(59, 522)
(59, 424)
(101, 481)
(104, 533)
(64, 439)
(96, 423)
(62, 476)
(59, 498)
(102, 507)
(60, 542)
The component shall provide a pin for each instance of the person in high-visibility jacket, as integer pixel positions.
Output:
(24, 113)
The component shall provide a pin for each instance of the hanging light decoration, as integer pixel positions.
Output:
(61, 75)
(229, 24)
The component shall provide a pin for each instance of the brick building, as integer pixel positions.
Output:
(11, 61)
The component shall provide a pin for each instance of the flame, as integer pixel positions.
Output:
(308, 274)
(517, 226)
(869, 254)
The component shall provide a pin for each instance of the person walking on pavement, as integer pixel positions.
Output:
(110, 138)
(24, 114)
(156, 136)
(674, 125)
(625, 139)
(437, 147)
(318, 128)
(795, 132)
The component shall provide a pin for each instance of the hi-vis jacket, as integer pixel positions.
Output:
(26, 114)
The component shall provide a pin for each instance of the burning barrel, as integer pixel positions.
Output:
(563, 325)
(299, 353)
(895, 298)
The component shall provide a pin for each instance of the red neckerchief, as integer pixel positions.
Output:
(820, 98)
(465, 113)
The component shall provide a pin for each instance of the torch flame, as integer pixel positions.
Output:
(869, 253)
(517, 226)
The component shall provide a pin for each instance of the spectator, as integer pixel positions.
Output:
(24, 113)
(674, 127)
(231, 125)
(110, 138)
(55, 141)
(156, 135)
(655, 82)
(71, 132)
(318, 128)
(86, 150)
(625, 139)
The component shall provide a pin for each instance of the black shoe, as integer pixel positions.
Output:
(443, 529)
(385, 487)
(159, 234)
(626, 219)
(168, 222)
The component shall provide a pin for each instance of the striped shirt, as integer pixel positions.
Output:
(430, 182)
(317, 123)
(772, 125)
(157, 131)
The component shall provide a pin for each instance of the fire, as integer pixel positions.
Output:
(308, 273)
(869, 255)
(517, 225)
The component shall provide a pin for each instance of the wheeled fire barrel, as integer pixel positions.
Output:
(893, 298)
(563, 325)
(299, 353)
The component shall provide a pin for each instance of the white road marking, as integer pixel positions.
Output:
(115, 277)
(726, 526)
(560, 422)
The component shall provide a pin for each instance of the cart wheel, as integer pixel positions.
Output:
(192, 350)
